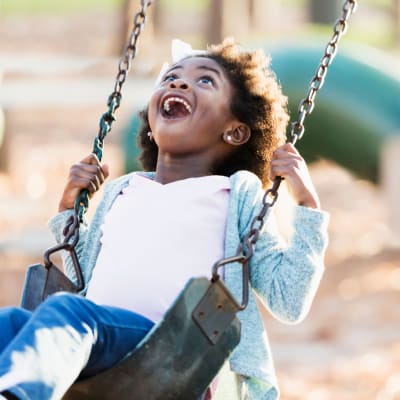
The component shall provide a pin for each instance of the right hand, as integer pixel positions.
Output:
(87, 174)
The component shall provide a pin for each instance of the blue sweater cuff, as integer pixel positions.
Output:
(313, 225)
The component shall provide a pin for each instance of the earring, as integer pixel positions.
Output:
(150, 135)
(228, 138)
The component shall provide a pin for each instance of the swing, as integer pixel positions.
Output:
(201, 328)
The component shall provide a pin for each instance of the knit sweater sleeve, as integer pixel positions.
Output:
(286, 275)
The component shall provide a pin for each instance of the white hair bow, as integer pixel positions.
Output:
(179, 50)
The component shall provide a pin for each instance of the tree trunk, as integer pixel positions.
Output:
(228, 20)
(214, 32)
(129, 9)
(396, 14)
(4, 153)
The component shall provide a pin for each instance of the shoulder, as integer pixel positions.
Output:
(119, 183)
(246, 187)
(245, 180)
(114, 187)
(246, 194)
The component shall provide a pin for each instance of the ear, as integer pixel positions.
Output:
(238, 135)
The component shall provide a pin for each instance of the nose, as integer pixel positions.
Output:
(179, 84)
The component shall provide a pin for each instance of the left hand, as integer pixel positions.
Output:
(289, 164)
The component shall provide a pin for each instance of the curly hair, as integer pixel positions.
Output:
(257, 101)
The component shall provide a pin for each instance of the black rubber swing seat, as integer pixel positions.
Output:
(179, 357)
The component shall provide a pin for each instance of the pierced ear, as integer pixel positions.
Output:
(237, 136)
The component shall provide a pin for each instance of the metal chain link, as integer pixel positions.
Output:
(124, 66)
(307, 104)
(107, 119)
(246, 248)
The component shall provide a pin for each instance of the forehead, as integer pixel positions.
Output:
(201, 63)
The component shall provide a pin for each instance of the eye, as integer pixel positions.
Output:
(170, 78)
(207, 80)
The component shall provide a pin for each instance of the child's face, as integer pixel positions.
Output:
(190, 109)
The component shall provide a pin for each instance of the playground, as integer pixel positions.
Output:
(58, 69)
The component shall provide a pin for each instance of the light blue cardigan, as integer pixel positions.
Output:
(284, 276)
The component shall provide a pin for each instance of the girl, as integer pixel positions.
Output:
(211, 140)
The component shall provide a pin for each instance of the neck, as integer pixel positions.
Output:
(174, 169)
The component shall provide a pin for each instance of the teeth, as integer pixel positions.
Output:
(167, 104)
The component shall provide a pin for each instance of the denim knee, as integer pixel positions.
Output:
(63, 307)
(61, 300)
(17, 315)
(12, 319)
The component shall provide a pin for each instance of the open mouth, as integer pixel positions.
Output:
(175, 107)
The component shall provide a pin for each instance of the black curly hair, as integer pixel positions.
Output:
(257, 101)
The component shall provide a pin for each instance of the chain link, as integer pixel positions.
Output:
(307, 104)
(124, 66)
(246, 248)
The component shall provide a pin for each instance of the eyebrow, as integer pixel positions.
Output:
(210, 69)
(204, 67)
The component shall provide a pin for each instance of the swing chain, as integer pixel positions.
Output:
(307, 104)
(269, 199)
(71, 229)
(246, 248)
(297, 128)
(124, 66)
(113, 102)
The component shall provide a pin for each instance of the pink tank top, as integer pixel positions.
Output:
(155, 238)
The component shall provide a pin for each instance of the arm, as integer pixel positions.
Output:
(287, 275)
(87, 174)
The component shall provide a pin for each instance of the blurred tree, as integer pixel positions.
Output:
(3, 144)
(129, 9)
(215, 22)
(224, 19)
(324, 11)
(259, 14)
(396, 7)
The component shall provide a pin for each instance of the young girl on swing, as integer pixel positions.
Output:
(211, 141)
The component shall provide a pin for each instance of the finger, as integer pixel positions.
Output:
(290, 148)
(289, 159)
(82, 182)
(90, 172)
(284, 150)
(91, 187)
(91, 159)
(283, 170)
(79, 176)
(286, 167)
(90, 169)
(106, 171)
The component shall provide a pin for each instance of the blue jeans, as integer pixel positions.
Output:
(43, 352)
